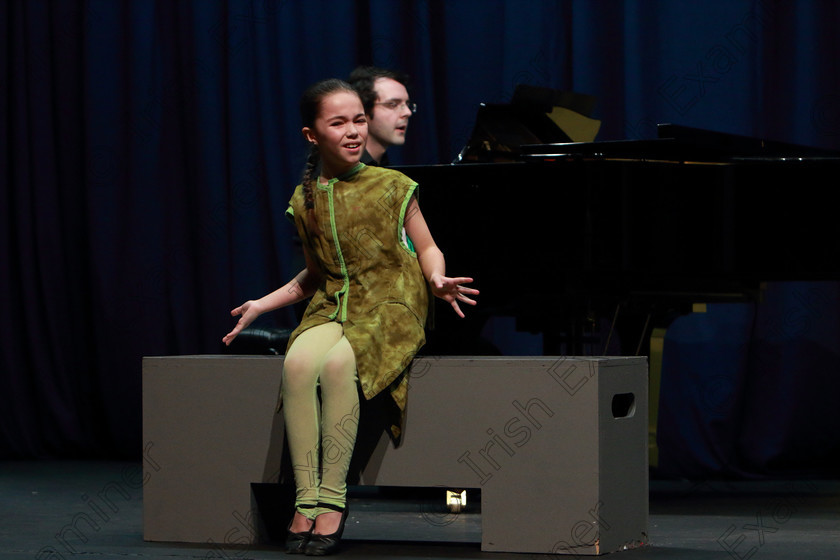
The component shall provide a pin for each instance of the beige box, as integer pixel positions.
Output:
(557, 445)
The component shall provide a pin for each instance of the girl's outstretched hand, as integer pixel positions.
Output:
(248, 311)
(451, 290)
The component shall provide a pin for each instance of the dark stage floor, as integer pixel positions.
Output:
(787, 520)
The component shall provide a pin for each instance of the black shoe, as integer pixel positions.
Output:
(296, 542)
(321, 545)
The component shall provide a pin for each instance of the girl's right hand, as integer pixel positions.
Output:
(248, 311)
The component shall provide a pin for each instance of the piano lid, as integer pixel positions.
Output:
(678, 143)
(535, 116)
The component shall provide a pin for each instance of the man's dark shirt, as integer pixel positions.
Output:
(368, 160)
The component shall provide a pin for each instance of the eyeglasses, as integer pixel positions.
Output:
(394, 105)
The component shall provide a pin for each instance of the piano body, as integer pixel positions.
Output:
(563, 235)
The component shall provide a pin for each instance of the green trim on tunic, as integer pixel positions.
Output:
(346, 279)
(371, 278)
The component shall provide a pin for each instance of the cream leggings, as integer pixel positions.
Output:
(321, 433)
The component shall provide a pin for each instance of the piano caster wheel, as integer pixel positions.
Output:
(456, 500)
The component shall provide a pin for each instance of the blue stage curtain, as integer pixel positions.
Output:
(149, 149)
(750, 390)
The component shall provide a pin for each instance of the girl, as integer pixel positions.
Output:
(369, 256)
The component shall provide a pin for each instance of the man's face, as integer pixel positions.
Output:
(390, 114)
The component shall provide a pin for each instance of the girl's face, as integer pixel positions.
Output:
(340, 132)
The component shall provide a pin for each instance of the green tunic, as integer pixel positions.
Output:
(372, 282)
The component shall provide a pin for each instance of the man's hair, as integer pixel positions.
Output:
(363, 78)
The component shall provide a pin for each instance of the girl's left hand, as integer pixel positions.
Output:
(451, 290)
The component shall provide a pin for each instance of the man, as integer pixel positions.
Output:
(384, 95)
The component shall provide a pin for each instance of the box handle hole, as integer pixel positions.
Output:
(623, 405)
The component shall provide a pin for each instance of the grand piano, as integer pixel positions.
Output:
(567, 237)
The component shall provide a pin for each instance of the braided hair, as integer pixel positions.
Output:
(312, 159)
